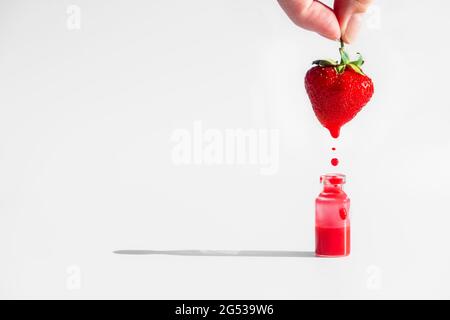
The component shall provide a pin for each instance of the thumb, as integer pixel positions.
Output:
(349, 14)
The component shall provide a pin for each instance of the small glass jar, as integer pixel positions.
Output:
(332, 218)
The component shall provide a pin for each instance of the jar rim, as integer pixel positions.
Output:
(333, 178)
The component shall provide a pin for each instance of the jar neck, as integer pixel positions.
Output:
(332, 188)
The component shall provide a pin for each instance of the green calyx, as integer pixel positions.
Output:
(344, 63)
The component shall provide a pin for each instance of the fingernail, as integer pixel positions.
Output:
(329, 36)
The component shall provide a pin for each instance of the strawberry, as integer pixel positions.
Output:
(338, 91)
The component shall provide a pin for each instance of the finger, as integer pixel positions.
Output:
(349, 14)
(314, 16)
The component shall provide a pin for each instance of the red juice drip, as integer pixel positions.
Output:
(335, 130)
(335, 161)
(334, 149)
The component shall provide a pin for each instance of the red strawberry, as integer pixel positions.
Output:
(338, 91)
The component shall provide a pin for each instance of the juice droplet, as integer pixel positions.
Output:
(334, 149)
(334, 162)
(335, 130)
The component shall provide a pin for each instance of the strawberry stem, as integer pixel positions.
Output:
(344, 63)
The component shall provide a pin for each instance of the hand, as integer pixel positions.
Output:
(342, 22)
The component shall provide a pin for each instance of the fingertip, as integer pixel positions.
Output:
(313, 16)
(352, 28)
(349, 14)
(323, 21)
(334, 35)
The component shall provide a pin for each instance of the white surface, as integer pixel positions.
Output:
(86, 119)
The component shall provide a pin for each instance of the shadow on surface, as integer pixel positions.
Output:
(221, 253)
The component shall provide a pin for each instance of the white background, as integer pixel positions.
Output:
(86, 117)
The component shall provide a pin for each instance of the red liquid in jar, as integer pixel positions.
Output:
(333, 241)
(332, 218)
